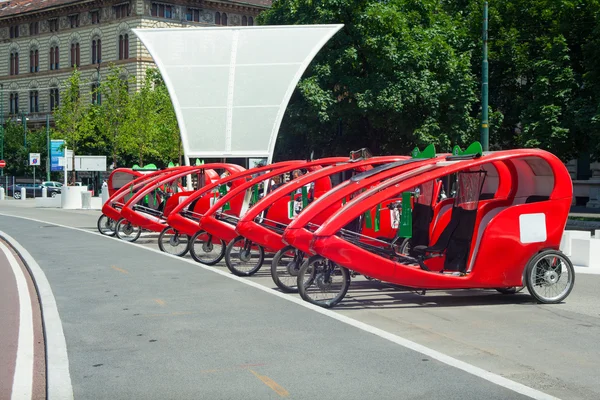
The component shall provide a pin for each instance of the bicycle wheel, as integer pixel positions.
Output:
(172, 242)
(322, 282)
(243, 258)
(106, 226)
(126, 231)
(285, 267)
(206, 249)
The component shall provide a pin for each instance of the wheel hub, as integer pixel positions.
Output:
(245, 255)
(322, 282)
(292, 268)
(551, 277)
(128, 230)
(174, 241)
(207, 247)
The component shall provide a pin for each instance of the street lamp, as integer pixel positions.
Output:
(1, 126)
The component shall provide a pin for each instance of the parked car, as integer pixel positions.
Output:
(50, 184)
(31, 190)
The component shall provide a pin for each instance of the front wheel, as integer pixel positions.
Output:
(172, 242)
(244, 258)
(285, 267)
(127, 231)
(106, 225)
(322, 282)
(206, 249)
(550, 277)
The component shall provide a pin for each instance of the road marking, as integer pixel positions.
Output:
(22, 386)
(58, 378)
(409, 344)
(277, 388)
(169, 314)
(160, 302)
(121, 270)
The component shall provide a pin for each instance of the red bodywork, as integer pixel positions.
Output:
(275, 205)
(299, 232)
(186, 221)
(501, 245)
(212, 222)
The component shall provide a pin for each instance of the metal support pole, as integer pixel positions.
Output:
(48, 147)
(24, 122)
(1, 126)
(485, 130)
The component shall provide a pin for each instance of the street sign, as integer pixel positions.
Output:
(2, 163)
(34, 159)
(57, 153)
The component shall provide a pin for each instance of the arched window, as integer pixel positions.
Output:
(224, 19)
(250, 21)
(34, 60)
(14, 103)
(96, 51)
(34, 101)
(123, 47)
(54, 98)
(217, 18)
(14, 62)
(244, 21)
(75, 53)
(54, 61)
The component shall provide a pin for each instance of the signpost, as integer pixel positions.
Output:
(2, 163)
(57, 152)
(34, 160)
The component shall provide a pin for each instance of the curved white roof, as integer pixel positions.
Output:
(230, 86)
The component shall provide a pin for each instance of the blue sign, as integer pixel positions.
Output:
(56, 151)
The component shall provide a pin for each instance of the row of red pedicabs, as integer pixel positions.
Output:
(388, 218)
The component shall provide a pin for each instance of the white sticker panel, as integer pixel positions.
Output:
(533, 228)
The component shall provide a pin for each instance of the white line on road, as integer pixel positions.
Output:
(57, 361)
(441, 357)
(23, 377)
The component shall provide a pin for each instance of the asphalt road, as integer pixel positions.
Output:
(139, 323)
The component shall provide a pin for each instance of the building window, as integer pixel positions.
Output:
(14, 63)
(96, 51)
(96, 95)
(34, 61)
(34, 28)
(193, 15)
(123, 47)
(74, 20)
(95, 17)
(122, 10)
(54, 99)
(217, 18)
(75, 55)
(14, 103)
(53, 23)
(54, 62)
(224, 19)
(14, 31)
(162, 10)
(244, 21)
(34, 105)
(250, 21)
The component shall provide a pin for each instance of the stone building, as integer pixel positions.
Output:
(41, 42)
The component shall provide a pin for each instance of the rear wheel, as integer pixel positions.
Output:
(127, 231)
(285, 267)
(206, 249)
(244, 258)
(550, 277)
(172, 242)
(322, 282)
(106, 225)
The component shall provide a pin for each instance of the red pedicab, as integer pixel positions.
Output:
(152, 215)
(266, 221)
(502, 243)
(242, 256)
(122, 177)
(204, 247)
(111, 209)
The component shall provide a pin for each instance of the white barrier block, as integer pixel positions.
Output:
(565, 243)
(48, 202)
(597, 234)
(580, 252)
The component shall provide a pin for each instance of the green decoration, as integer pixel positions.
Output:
(135, 166)
(428, 152)
(368, 220)
(474, 149)
(405, 229)
(171, 165)
(291, 206)
(254, 194)
(223, 192)
(304, 197)
(377, 217)
(150, 166)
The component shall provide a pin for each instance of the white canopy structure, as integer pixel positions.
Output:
(230, 86)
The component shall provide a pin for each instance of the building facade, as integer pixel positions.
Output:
(42, 41)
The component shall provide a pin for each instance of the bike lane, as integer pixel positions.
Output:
(144, 325)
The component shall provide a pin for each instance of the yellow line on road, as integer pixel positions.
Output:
(160, 302)
(271, 383)
(121, 270)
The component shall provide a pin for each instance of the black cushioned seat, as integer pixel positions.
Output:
(536, 198)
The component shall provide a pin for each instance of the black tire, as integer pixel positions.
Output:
(405, 246)
(172, 242)
(545, 270)
(205, 249)
(127, 231)
(17, 195)
(315, 276)
(106, 226)
(510, 290)
(285, 268)
(241, 259)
